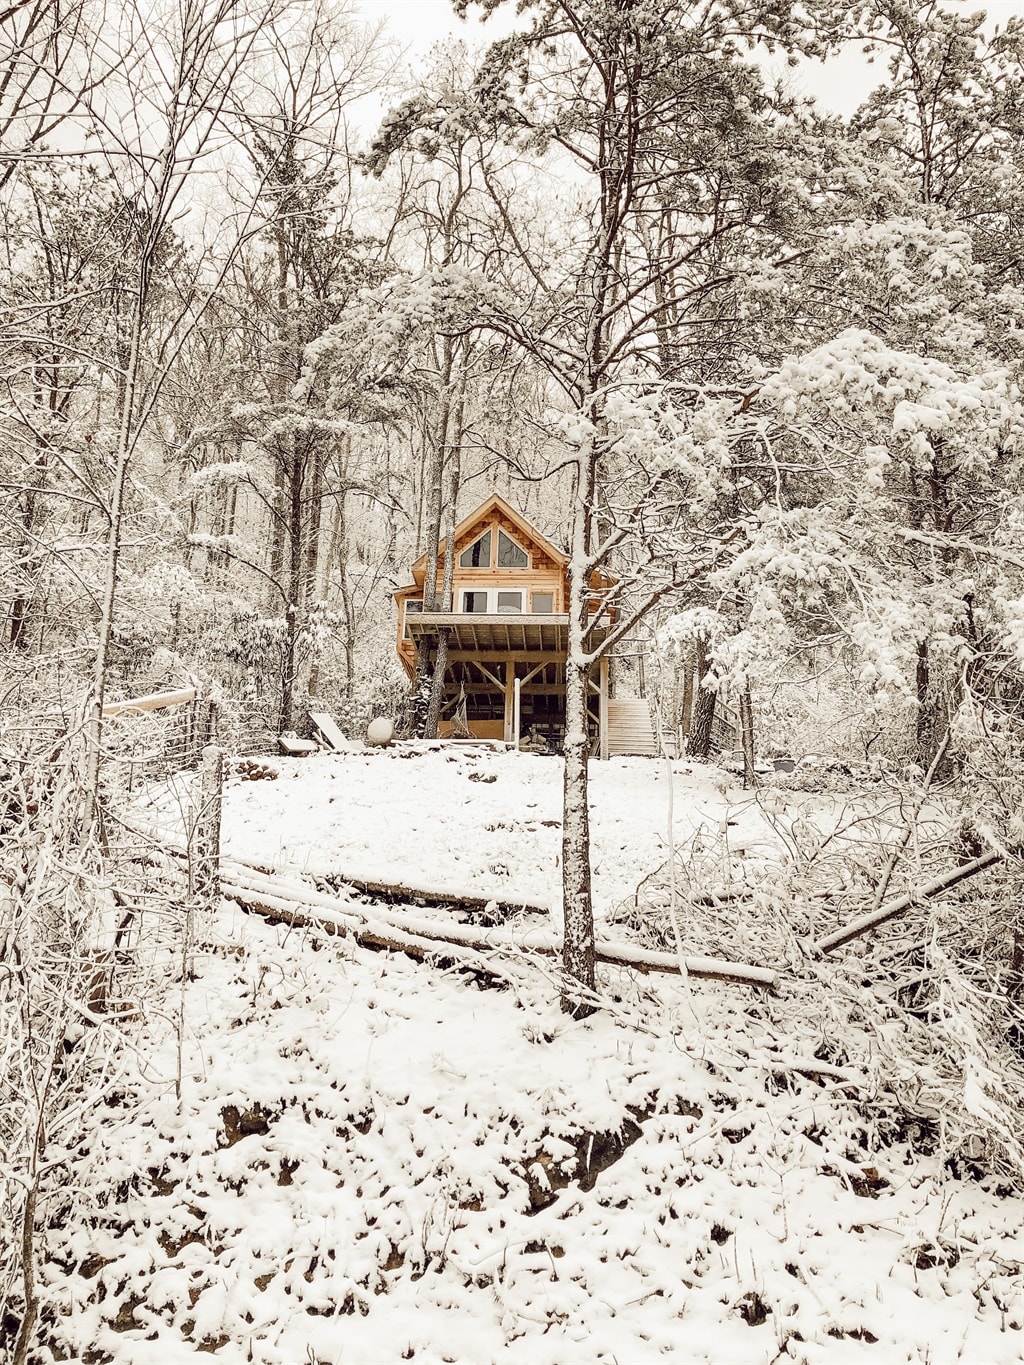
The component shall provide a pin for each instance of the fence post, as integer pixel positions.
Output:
(747, 738)
(207, 852)
(204, 852)
(212, 723)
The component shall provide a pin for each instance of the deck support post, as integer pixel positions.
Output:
(603, 705)
(510, 674)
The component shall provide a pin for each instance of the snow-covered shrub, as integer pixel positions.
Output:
(931, 1007)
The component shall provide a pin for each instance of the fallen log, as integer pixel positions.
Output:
(386, 893)
(369, 933)
(155, 701)
(298, 903)
(424, 937)
(396, 892)
(895, 907)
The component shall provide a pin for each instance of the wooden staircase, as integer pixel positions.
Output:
(629, 728)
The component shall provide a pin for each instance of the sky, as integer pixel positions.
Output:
(839, 84)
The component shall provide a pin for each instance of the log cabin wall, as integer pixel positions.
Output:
(545, 572)
(541, 575)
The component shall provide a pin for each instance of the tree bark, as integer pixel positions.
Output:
(699, 745)
(926, 717)
(455, 419)
(747, 738)
(685, 719)
(577, 899)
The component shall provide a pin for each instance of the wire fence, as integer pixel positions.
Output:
(152, 746)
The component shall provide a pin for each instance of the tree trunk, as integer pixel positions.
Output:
(685, 719)
(927, 709)
(577, 903)
(434, 478)
(122, 457)
(455, 417)
(347, 604)
(30, 1312)
(699, 745)
(289, 708)
(21, 607)
(747, 738)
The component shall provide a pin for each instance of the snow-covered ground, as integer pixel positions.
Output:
(375, 1159)
(475, 821)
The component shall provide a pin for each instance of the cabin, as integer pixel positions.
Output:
(507, 626)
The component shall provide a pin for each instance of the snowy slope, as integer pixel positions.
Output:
(475, 821)
(374, 1159)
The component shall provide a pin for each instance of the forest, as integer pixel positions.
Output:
(278, 309)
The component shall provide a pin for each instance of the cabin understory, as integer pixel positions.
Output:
(515, 693)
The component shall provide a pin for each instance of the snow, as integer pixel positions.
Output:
(376, 1159)
(374, 815)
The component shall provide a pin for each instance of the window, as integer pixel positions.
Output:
(477, 555)
(542, 603)
(507, 601)
(511, 555)
(413, 605)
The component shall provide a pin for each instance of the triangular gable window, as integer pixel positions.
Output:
(477, 555)
(511, 555)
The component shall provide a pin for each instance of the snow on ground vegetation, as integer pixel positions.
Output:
(468, 821)
(319, 1153)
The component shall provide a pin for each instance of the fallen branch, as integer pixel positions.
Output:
(298, 903)
(892, 908)
(911, 823)
(421, 937)
(369, 933)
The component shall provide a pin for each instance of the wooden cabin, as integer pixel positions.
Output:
(507, 628)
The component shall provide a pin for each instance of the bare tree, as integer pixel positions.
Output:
(155, 133)
(651, 103)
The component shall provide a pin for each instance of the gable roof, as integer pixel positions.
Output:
(496, 503)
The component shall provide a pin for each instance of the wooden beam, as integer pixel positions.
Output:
(489, 688)
(603, 721)
(153, 702)
(510, 673)
(497, 656)
(489, 675)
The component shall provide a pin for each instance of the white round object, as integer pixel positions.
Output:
(380, 730)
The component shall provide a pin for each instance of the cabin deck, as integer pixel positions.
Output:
(504, 633)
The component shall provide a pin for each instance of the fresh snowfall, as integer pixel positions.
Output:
(324, 1152)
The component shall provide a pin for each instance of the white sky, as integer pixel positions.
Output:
(839, 86)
